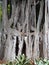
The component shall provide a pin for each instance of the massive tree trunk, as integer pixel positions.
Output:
(22, 24)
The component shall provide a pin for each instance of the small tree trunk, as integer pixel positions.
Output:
(3, 35)
(46, 32)
(36, 48)
(20, 45)
(9, 53)
(8, 40)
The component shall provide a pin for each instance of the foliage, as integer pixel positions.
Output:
(0, 13)
(20, 60)
(8, 9)
(42, 62)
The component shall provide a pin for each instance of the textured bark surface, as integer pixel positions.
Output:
(36, 48)
(46, 29)
(27, 26)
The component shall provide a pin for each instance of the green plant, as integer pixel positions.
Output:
(42, 62)
(22, 60)
(8, 9)
(0, 13)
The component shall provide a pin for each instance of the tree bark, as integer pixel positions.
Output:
(3, 36)
(8, 40)
(36, 44)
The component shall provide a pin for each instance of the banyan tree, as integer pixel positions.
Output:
(25, 29)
